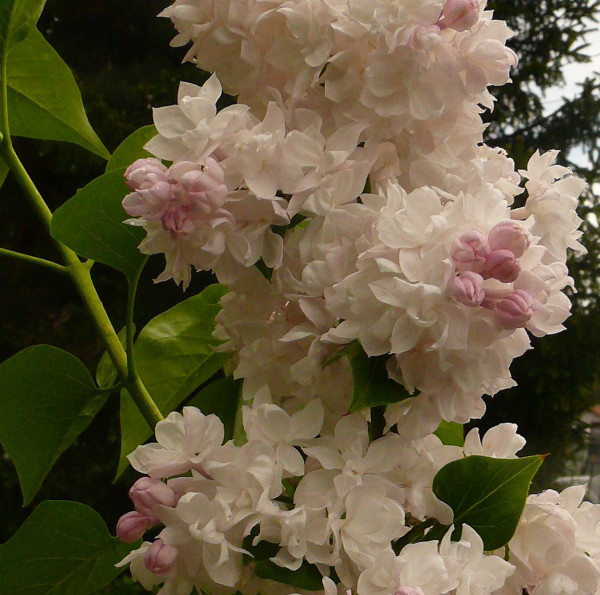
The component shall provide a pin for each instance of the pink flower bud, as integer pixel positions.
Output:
(467, 289)
(501, 265)
(144, 173)
(515, 310)
(509, 235)
(469, 251)
(460, 15)
(147, 493)
(160, 557)
(132, 526)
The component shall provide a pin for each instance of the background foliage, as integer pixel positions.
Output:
(120, 55)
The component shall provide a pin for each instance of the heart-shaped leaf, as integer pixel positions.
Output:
(47, 398)
(487, 494)
(17, 19)
(63, 548)
(91, 224)
(43, 98)
(131, 148)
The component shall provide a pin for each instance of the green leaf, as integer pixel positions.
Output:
(47, 398)
(451, 433)
(91, 224)
(488, 494)
(306, 577)
(4, 169)
(106, 374)
(372, 386)
(43, 98)
(174, 355)
(63, 548)
(131, 148)
(220, 397)
(17, 18)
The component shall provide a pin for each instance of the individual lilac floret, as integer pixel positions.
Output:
(514, 310)
(509, 235)
(147, 493)
(469, 251)
(460, 15)
(131, 526)
(467, 289)
(184, 442)
(501, 265)
(160, 557)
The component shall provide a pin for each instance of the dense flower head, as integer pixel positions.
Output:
(348, 202)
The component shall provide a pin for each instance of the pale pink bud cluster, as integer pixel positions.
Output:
(184, 197)
(147, 495)
(459, 15)
(477, 257)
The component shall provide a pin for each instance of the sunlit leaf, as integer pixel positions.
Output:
(17, 19)
(131, 148)
(174, 355)
(43, 98)
(91, 224)
(451, 433)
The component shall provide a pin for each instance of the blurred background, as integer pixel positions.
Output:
(120, 55)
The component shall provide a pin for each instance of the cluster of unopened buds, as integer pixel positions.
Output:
(477, 258)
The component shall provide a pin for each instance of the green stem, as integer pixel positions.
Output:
(77, 270)
(33, 260)
(129, 324)
(415, 534)
(110, 389)
(4, 131)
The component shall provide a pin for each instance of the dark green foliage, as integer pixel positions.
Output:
(63, 548)
(487, 494)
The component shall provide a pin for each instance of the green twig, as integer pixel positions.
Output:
(110, 389)
(414, 535)
(129, 324)
(77, 270)
(33, 260)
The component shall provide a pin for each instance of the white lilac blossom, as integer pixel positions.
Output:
(352, 172)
